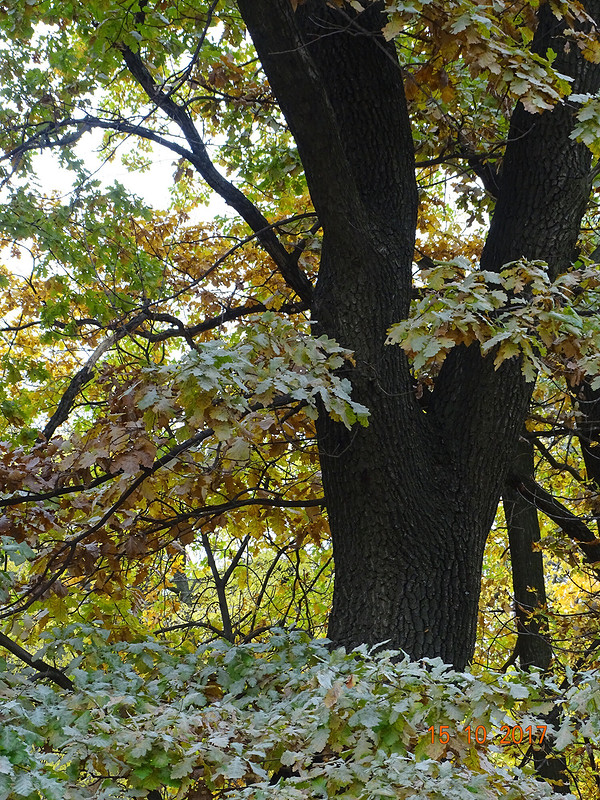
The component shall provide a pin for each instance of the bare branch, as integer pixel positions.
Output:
(568, 522)
(200, 159)
(85, 375)
(46, 670)
(561, 466)
(220, 585)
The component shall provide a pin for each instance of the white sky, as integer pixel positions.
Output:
(152, 185)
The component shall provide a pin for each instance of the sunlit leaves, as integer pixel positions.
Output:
(490, 39)
(587, 120)
(550, 327)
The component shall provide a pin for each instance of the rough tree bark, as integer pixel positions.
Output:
(411, 498)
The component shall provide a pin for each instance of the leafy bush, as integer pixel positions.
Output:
(286, 719)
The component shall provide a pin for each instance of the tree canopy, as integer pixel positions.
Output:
(362, 403)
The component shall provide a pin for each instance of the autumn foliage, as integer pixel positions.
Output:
(166, 570)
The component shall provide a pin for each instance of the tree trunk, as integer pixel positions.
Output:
(533, 645)
(588, 402)
(529, 587)
(410, 498)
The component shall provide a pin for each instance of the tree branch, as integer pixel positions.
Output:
(85, 374)
(46, 670)
(561, 466)
(226, 316)
(569, 523)
(200, 159)
(220, 585)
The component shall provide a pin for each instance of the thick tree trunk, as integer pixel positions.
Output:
(411, 498)
(545, 180)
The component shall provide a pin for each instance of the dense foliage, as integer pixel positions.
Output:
(162, 502)
(224, 719)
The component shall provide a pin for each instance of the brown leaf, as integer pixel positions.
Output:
(333, 694)
(59, 589)
(146, 451)
(135, 546)
(128, 463)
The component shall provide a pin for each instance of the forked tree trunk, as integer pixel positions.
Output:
(410, 498)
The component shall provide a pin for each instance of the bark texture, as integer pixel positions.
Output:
(411, 498)
(529, 587)
(534, 648)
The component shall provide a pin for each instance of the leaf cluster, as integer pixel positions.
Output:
(286, 718)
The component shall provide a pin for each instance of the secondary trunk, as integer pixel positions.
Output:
(411, 498)
(529, 586)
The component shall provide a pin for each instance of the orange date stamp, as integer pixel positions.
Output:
(509, 734)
